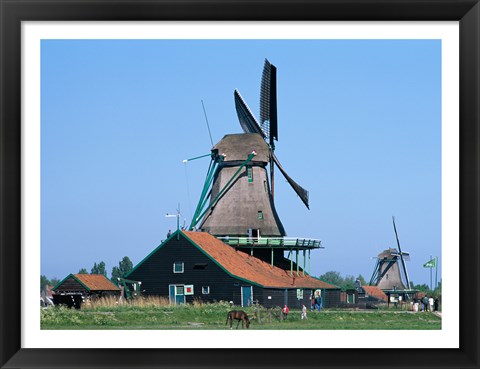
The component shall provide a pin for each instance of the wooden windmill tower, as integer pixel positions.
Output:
(390, 270)
(237, 201)
(241, 196)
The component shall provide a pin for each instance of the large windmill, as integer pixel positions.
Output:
(236, 203)
(390, 269)
(237, 199)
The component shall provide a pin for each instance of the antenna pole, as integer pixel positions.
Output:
(178, 220)
(431, 257)
(208, 126)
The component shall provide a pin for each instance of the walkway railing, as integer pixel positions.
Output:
(273, 242)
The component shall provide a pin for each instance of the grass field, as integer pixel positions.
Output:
(213, 316)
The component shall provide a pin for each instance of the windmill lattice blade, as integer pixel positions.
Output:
(401, 254)
(303, 193)
(247, 120)
(268, 101)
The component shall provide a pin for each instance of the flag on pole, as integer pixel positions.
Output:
(430, 264)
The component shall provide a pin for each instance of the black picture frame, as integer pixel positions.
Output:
(12, 13)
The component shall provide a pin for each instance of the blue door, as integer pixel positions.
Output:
(246, 295)
(177, 294)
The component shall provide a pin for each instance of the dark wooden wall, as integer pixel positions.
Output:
(70, 285)
(156, 274)
(331, 298)
(277, 298)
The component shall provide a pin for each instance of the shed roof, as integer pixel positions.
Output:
(92, 282)
(376, 292)
(97, 282)
(240, 264)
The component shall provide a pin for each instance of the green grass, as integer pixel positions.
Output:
(213, 316)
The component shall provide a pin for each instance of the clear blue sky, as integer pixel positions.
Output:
(359, 127)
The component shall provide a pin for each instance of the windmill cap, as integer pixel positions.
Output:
(237, 147)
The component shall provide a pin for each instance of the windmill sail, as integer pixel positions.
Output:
(247, 120)
(268, 101)
(301, 192)
(268, 128)
(401, 254)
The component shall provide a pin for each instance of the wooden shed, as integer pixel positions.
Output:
(197, 265)
(73, 289)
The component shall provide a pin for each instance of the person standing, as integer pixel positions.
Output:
(430, 304)
(285, 312)
(304, 312)
(435, 304)
(425, 303)
(318, 302)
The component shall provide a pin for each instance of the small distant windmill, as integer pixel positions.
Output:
(387, 274)
(240, 192)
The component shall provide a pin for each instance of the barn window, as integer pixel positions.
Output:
(178, 267)
(250, 174)
(205, 290)
(300, 293)
(260, 215)
(179, 290)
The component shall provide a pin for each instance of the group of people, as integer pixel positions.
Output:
(316, 304)
(285, 312)
(425, 304)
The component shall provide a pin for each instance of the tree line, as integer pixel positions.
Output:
(124, 266)
(347, 282)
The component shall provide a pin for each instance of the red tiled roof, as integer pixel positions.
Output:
(96, 282)
(376, 292)
(245, 266)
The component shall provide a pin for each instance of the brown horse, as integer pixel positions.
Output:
(239, 315)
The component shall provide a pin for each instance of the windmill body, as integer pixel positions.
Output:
(388, 271)
(237, 201)
(246, 208)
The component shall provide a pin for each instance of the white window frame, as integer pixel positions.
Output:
(183, 267)
(300, 293)
(203, 290)
(180, 290)
(186, 287)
